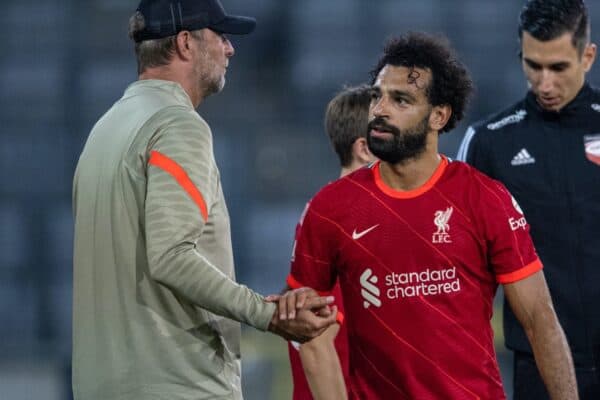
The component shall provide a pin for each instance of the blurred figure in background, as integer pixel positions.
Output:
(346, 119)
(419, 244)
(156, 305)
(546, 149)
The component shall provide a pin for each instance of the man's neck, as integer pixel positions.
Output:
(410, 174)
(170, 74)
(345, 171)
(354, 165)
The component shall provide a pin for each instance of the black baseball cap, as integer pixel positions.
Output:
(169, 17)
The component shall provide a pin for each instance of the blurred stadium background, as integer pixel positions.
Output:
(66, 61)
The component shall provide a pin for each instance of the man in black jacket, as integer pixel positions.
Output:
(546, 150)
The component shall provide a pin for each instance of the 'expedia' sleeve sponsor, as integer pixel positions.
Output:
(511, 253)
(182, 187)
(314, 251)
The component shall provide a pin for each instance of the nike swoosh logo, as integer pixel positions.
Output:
(358, 235)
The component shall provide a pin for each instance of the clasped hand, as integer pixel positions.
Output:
(301, 314)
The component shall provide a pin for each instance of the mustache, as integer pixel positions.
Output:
(380, 124)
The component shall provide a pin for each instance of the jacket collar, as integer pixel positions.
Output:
(582, 99)
(173, 88)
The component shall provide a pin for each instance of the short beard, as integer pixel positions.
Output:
(404, 145)
(209, 83)
(213, 86)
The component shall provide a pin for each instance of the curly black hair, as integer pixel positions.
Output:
(450, 84)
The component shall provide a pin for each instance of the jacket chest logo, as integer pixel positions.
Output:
(522, 158)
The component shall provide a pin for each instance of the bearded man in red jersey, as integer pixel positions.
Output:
(419, 244)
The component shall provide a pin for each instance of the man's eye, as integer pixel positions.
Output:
(534, 66)
(558, 68)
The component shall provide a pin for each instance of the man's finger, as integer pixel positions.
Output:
(282, 306)
(272, 298)
(323, 311)
(313, 325)
(301, 298)
(298, 302)
(323, 322)
(291, 299)
(313, 303)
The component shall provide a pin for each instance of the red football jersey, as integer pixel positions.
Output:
(418, 271)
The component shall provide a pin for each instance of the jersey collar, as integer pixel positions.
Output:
(409, 194)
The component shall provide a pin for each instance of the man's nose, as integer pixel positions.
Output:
(379, 107)
(229, 50)
(546, 83)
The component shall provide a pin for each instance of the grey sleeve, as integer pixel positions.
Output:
(182, 182)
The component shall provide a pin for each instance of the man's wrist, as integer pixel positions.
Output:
(267, 316)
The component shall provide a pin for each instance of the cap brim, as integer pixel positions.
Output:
(235, 25)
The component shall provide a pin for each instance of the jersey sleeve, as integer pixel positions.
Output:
(182, 185)
(313, 258)
(511, 253)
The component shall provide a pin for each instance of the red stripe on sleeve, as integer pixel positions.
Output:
(294, 284)
(520, 274)
(176, 171)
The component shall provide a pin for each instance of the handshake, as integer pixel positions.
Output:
(301, 314)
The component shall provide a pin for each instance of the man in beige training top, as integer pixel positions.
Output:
(155, 301)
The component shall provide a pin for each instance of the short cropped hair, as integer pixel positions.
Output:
(450, 83)
(346, 119)
(154, 52)
(548, 19)
(150, 53)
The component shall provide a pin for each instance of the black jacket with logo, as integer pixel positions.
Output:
(550, 162)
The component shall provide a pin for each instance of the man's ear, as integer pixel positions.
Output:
(589, 56)
(361, 152)
(183, 45)
(439, 117)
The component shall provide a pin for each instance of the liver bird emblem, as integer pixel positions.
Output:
(441, 220)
